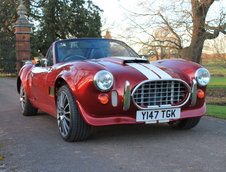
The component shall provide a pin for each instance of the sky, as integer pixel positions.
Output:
(115, 11)
(114, 17)
(115, 14)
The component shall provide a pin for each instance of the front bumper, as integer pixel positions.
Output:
(129, 118)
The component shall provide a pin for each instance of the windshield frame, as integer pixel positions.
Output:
(124, 45)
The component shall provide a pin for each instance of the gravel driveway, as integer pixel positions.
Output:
(33, 144)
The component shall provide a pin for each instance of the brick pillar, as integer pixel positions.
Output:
(108, 35)
(22, 31)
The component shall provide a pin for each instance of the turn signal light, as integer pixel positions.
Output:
(103, 98)
(201, 94)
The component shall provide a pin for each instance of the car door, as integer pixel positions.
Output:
(40, 86)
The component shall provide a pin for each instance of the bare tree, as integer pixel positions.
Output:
(183, 24)
(217, 49)
(160, 45)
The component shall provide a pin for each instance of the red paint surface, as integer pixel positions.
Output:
(79, 77)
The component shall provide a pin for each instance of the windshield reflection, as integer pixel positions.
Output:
(83, 49)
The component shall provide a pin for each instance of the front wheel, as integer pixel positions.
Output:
(70, 123)
(187, 123)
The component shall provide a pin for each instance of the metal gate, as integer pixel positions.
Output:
(7, 54)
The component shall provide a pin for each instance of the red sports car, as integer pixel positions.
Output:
(96, 82)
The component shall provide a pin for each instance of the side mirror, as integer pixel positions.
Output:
(40, 61)
(142, 56)
(43, 62)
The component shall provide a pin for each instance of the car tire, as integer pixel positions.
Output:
(27, 108)
(70, 123)
(185, 124)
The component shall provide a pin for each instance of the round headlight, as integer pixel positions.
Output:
(103, 80)
(202, 76)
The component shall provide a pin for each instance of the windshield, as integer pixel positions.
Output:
(83, 49)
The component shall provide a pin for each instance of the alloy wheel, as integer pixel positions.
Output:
(63, 114)
(22, 98)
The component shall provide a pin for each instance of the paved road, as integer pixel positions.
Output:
(33, 144)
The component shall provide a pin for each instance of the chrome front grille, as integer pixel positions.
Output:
(160, 93)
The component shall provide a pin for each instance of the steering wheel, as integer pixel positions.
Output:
(72, 57)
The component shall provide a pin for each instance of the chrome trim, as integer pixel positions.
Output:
(114, 98)
(194, 92)
(96, 77)
(163, 106)
(39, 70)
(126, 96)
(196, 76)
(28, 62)
(44, 61)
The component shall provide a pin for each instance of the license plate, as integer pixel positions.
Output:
(160, 115)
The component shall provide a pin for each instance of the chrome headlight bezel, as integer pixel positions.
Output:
(99, 79)
(202, 76)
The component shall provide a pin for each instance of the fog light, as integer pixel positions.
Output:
(200, 93)
(103, 98)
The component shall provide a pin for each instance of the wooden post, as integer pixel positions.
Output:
(22, 32)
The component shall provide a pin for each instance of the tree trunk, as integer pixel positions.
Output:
(199, 12)
(194, 51)
(195, 48)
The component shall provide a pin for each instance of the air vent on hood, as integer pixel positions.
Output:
(136, 60)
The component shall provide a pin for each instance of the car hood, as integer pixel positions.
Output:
(139, 68)
(134, 70)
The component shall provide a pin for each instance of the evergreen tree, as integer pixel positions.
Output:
(52, 19)
(66, 19)
(7, 38)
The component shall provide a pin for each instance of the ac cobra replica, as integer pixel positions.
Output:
(96, 82)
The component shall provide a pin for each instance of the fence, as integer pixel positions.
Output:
(7, 55)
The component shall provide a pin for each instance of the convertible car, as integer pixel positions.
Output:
(96, 82)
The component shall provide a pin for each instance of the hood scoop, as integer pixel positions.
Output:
(124, 60)
(136, 60)
(133, 60)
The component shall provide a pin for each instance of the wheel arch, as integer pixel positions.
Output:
(60, 81)
(18, 84)
(21, 81)
(63, 80)
(24, 78)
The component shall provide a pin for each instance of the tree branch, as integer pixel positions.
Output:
(151, 45)
(220, 28)
(170, 28)
(209, 35)
(177, 46)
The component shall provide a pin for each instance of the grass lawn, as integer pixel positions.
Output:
(4, 75)
(216, 91)
(216, 111)
(216, 67)
(217, 82)
(10, 77)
